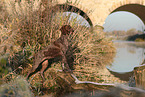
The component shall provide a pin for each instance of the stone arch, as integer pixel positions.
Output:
(137, 7)
(70, 8)
(117, 4)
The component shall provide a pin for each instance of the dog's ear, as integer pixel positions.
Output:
(66, 29)
(69, 28)
(62, 29)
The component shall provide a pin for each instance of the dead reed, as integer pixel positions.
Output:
(25, 29)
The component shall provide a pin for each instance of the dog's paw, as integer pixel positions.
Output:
(60, 70)
(67, 71)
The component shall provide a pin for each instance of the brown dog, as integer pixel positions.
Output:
(56, 50)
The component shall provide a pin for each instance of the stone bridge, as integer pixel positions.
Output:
(96, 11)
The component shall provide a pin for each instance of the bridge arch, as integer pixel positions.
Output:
(136, 7)
(70, 8)
(96, 11)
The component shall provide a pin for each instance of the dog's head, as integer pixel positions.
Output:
(66, 29)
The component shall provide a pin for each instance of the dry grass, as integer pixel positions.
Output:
(24, 30)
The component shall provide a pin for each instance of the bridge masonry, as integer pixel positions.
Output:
(98, 10)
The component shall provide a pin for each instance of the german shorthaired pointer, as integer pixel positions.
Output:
(57, 50)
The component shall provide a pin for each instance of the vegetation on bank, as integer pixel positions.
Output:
(137, 38)
(24, 30)
(129, 35)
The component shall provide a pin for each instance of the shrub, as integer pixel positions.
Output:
(18, 87)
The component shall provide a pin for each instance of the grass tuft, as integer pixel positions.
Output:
(17, 87)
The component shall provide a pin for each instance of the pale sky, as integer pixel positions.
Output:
(120, 20)
(123, 21)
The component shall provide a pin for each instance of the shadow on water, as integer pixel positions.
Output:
(122, 75)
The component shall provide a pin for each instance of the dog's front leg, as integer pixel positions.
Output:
(65, 66)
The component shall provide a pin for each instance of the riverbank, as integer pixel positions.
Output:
(137, 38)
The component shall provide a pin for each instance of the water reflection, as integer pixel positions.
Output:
(129, 55)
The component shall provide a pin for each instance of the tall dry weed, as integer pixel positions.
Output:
(28, 26)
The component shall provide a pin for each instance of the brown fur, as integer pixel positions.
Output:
(57, 49)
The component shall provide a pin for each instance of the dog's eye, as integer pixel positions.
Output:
(68, 28)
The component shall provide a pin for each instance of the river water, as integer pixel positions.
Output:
(129, 55)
